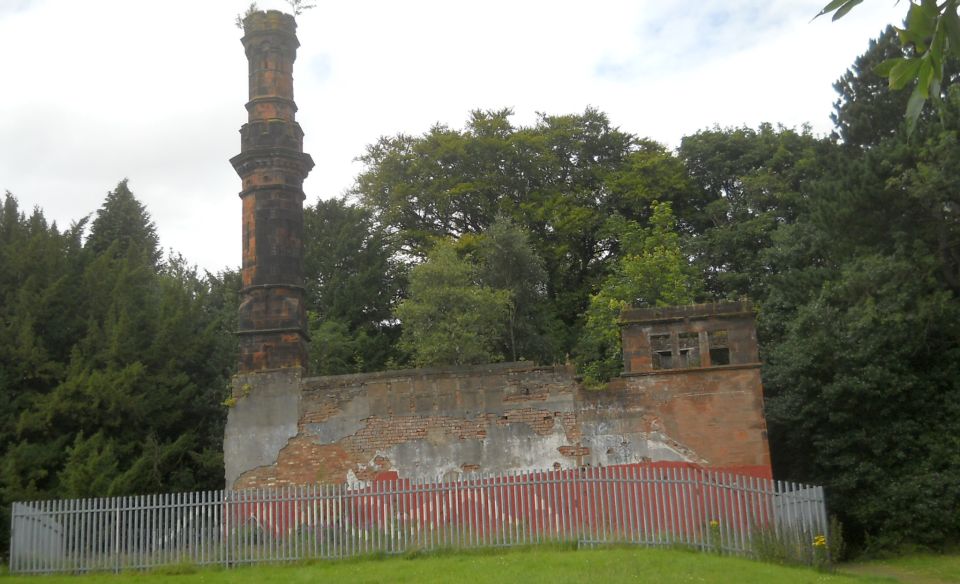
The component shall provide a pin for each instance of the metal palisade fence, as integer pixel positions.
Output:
(648, 505)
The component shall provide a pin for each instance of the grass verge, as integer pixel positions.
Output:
(530, 566)
(912, 569)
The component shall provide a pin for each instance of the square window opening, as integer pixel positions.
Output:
(689, 350)
(662, 351)
(719, 347)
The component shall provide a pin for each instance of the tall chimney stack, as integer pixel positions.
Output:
(272, 166)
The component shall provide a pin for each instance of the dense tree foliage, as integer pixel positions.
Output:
(560, 180)
(748, 184)
(507, 261)
(450, 317)
(113, 363)
(863, 386)
(859, 320)
(652, 271)
(124, 224)
(353, 281)
(866, 110)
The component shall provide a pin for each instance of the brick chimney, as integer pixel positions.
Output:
(272, 166)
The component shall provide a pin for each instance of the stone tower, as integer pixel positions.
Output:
(273, 166)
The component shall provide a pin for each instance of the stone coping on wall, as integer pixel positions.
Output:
(687, 370)
(452, 371)
(696, 311)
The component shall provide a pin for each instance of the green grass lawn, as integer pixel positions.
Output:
(913, 569)
(529, 566)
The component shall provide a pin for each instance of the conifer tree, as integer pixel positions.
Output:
(124, 221)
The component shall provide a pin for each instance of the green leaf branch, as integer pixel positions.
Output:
(932, 31)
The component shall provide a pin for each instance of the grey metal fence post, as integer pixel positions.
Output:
(14, 557)
(647, 504)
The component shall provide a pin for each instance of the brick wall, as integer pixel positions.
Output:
(443, 422)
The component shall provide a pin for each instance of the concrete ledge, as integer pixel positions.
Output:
(693, 311)
(689, 370)
(314, 383)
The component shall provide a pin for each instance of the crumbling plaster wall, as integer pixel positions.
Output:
(263, 418)
(431, 423)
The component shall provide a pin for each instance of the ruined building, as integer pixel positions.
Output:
(690, 392)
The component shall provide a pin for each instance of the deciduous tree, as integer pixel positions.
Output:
(508, 262)
(450, 318)
(932, 31)
(354, 279)
(653, 271)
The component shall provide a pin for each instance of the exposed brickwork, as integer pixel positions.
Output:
(574, 451)
(718, 413)
(272, 166)
(406, 408)
(716, 406)
(382, 433)
(438, 422)
(304, 459)
(301, 462)
(323, 411)
(568, 421)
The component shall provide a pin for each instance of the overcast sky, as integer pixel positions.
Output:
(153, 90)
